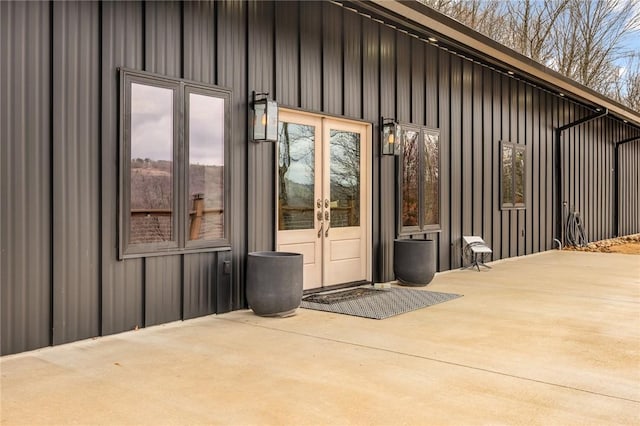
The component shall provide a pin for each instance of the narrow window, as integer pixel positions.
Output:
(507, 174)
(205, 121)
(151, 191)
(512, 175)
(410, 177)
(519, 176)
(431, 178)
(419, 180)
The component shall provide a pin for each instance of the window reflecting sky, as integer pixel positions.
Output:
(151, 122)
(206, 130)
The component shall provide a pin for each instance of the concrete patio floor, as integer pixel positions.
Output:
(552, 338)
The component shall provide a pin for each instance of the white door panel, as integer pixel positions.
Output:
(322, 197)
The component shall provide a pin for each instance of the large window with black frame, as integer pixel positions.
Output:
(512, 175)
(173, 180)
(419, 180)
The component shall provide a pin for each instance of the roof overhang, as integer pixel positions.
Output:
(420, 18)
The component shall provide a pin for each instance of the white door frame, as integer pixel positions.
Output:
(319, 254)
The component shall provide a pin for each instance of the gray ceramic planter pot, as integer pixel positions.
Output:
(274, 282)
(414, 261)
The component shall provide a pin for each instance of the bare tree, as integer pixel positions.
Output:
(588, 41)
(531, 24)
(582, 39)
(627, 89)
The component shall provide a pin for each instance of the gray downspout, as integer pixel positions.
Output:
(559, 231)
(616, 183)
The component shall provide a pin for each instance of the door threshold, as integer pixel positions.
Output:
(336, 287)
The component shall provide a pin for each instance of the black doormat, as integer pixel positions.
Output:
(340, 296)
(382, 304)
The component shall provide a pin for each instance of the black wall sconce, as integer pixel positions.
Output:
(265, 118)
(390, 136)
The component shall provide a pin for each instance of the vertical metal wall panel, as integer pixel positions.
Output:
(163, 55)
(496, 114)
(200, 294)
(522, 137)
(387, 96)
(444, 104)
(527, 237)
(488, 153)
(455, 164)
(546, 138)
(162, 289)
(311, 55)
(261, 160)
(431, 70)
(287, 27)
(122, 281)
(332, 59)
(231, 65)
(431, 110)
(371, 113)
(352, 60)
(403, 78)
(533, 179)
(224, 283)
(629, 199)
(76, 171)
(417, 82)
(25, 174)
(466, 154)
(476, 189)
(199, 41)
(505, 135)
(163, 38)
(514, 110)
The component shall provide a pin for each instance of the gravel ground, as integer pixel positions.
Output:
(629, 244)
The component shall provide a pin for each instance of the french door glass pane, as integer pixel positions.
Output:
(344, 178)
(296, 176)
(206, 167)
(410, 177)
(152, 131)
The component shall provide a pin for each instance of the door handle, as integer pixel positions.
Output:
(320, 230)
(328, 220)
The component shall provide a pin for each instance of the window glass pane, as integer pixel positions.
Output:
(296, 179)
(507, 174)
(519, 176)
(206, 167)
(345, 178)
(431, 179)
(410, 177)
(151, 181)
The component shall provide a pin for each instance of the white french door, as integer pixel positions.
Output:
(323, 196)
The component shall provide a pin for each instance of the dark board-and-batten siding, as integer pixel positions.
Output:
(61, 279)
